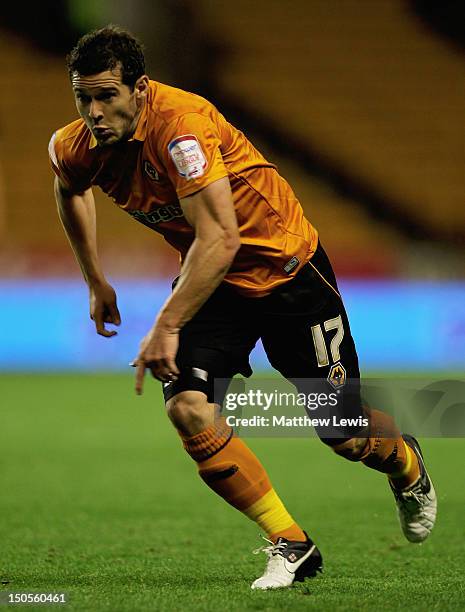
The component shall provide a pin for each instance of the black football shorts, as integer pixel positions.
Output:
(303, 326)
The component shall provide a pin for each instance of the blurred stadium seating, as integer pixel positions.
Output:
(372, 90)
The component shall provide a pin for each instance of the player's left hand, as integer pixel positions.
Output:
(158, 354)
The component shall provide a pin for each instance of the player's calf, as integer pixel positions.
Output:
(190, 412)
(380, 447)
(229, 467)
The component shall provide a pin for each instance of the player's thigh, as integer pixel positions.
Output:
(307, 338)
(312, 345)
(306, 332)
(214, 346)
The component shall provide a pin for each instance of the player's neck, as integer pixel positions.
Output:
(135, 121)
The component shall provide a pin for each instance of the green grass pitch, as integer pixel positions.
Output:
(98, 499)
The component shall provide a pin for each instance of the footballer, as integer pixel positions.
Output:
(252, 267)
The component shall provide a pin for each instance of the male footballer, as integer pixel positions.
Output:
(251, 267)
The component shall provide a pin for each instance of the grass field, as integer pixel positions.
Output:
(98, 499)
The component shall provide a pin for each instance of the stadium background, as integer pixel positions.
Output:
(360, 104)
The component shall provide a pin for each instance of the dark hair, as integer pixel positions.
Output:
(107, 49)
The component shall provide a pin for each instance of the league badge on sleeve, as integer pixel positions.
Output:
(187, 156)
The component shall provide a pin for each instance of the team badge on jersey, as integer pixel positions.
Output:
(337, 375)
(151, 171)
(188, 156)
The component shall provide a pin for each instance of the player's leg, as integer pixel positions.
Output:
(227, 465)
(233, 471)
(307, 335)
(216, 344)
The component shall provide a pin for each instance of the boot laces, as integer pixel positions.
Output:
(414, 498)
(271, 550)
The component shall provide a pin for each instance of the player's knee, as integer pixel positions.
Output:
(351, 448)
(190, 412)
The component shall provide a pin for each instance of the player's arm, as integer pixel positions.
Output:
(211, 213)
(77, 214)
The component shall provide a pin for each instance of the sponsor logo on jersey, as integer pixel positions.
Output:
(187, 156)
(151, 171)
(162, 214)
(337, 375)
(291, 264)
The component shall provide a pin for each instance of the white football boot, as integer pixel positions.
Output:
(417, 503)
(288, 562)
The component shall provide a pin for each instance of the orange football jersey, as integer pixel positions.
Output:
(181, 145)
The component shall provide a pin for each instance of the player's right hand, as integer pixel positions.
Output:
(103, 308)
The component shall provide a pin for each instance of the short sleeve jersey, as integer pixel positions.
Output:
(182, 144)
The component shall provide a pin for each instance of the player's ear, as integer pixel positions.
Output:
(141, 87)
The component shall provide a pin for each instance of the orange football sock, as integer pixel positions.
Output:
(231, 469)
(387, 452)
(410, 473)
(384, 450)
(294, 533)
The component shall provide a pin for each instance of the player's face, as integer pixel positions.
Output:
(109, 108)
